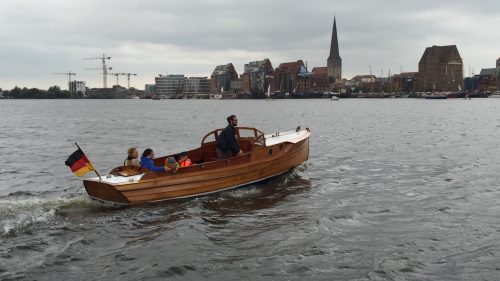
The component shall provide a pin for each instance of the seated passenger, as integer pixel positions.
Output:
(184, 160)
(171, 164)
(132, 158)
(147, 161)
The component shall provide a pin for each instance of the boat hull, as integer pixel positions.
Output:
(436, 97)
(257, 165)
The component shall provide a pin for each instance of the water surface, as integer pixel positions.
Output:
(395, 189)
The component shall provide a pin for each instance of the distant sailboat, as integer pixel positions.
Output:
(218, 96)
(268, 94)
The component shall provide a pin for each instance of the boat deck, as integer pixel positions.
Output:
(291, 136)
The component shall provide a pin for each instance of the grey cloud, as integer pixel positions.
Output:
(55, 35)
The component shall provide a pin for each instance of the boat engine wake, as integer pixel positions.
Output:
(20, 211)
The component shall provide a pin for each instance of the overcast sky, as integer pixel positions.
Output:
(191, 37)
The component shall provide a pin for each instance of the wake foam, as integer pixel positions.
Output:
(18, 214)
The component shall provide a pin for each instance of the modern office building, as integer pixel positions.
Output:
(150, 90)
(197, 87)
(169, 86)
(77, 86)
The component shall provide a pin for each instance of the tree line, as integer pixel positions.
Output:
(53, 92)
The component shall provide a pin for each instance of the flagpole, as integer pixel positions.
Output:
(92, 165)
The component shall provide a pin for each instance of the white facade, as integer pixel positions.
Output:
(170, 85)
(197, 87)
(77, 86)
(179, 86)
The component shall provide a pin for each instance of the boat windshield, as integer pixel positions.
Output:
(242, 133)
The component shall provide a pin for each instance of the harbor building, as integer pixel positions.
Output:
(236, 89)
(77, 86)
(257, 77)
(440, 69)
(365, 83)
(149, 90)
(220, 80)
(319, 79)
(292, 77)
(485, 81)
(169, 86)
(404, 82)
(498, 74)
(334, 62)
(196, 87)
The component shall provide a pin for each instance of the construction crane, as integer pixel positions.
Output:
(116, 75)
(69, 73)
(128, 79)
(105, 69)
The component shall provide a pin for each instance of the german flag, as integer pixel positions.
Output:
(79, 163)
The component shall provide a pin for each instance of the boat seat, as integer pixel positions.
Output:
(127, 171)
(245, 145)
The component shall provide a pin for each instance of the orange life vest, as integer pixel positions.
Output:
(185, 163)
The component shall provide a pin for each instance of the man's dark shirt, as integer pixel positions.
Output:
(227, 141)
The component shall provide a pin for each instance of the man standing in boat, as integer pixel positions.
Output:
(227, 146)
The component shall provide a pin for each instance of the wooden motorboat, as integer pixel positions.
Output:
(265, 156)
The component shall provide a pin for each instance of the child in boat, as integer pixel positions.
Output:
(184, 160)
(171, 164)
(132, 158)
(147, 161)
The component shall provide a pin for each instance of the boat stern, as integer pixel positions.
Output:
(105, 192)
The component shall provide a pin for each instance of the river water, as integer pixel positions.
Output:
(394, 189)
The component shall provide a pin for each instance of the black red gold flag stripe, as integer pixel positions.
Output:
(79, 163)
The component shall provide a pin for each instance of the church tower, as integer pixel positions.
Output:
(334, 62)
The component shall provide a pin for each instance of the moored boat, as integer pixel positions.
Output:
(495, 94)
(436, 96)
(264, 156)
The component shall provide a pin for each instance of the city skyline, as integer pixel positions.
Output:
(192, 38)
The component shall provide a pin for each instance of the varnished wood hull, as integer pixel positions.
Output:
(254, 166)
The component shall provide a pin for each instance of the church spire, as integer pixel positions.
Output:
(334, 45)
(334, 61)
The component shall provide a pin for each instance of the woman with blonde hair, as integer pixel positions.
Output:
(132, 158)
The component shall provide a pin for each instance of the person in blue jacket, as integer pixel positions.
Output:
(147, 161)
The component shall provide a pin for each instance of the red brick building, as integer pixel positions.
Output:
(486, 80)
(291, 77)
(404, 82)
(440, 69)
(319, 79)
